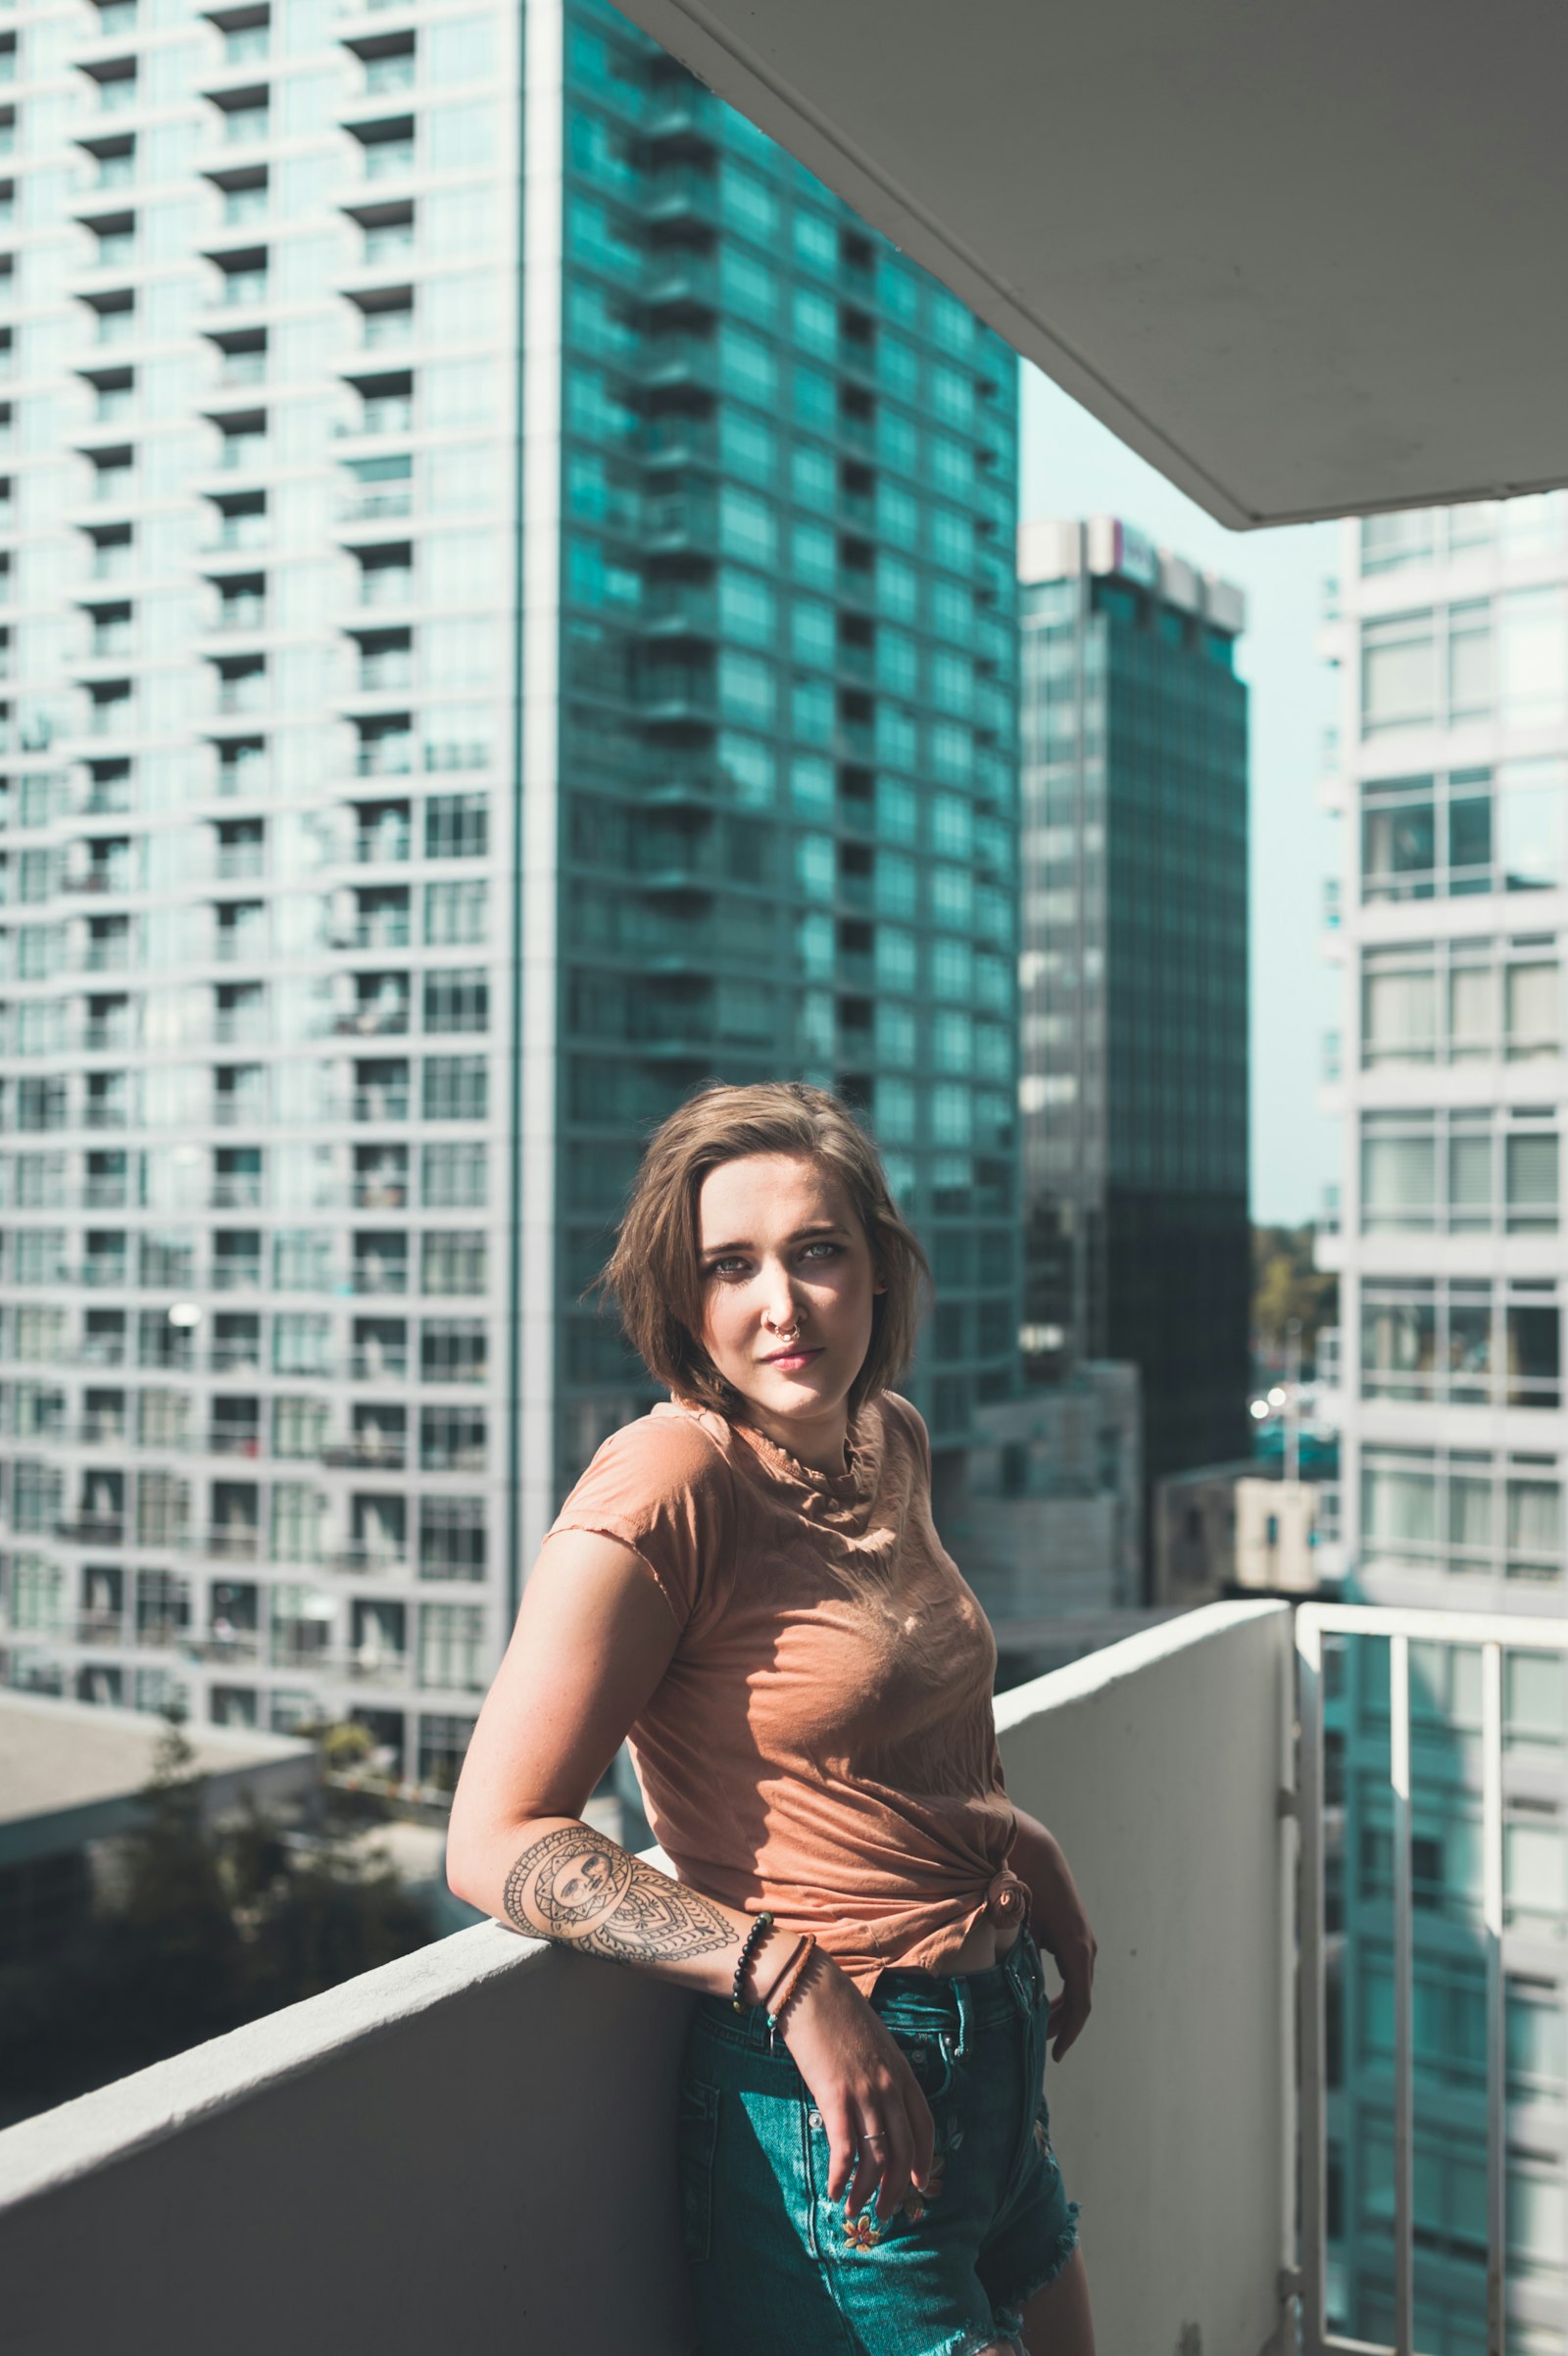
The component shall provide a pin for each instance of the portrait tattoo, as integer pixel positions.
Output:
(577, 1887)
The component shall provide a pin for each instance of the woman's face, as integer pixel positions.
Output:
(788, 1282)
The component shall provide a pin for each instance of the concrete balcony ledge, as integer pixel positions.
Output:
(480, 2140)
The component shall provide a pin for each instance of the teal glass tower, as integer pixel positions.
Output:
(787, 693)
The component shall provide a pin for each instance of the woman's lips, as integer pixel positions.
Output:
(792, 1359)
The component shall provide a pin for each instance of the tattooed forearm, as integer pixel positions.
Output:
(576, 1885)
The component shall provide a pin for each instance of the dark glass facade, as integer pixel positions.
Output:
(1134, 991)
(788, 654)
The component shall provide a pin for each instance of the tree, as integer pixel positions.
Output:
(203, 1928)
(1286, 1285)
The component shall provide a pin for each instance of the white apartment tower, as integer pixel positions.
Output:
(507, 611)
(1451, 926)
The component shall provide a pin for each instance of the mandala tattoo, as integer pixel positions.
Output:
(576, 1885)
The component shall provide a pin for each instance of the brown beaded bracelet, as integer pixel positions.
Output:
(778, 2004)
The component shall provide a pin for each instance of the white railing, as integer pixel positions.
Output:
(1492, 1635)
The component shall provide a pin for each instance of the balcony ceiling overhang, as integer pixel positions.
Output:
(1306, 261)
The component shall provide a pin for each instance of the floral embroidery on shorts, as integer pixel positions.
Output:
(859, 2232)
(1042, 2139)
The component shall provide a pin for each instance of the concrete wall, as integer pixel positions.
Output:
(476, 2143)
(1157, 1764)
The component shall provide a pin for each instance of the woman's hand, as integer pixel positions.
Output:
(1060, 1925)
(881, 2136)
(1073, 1948)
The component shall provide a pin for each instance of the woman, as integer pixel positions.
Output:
(746, 1584)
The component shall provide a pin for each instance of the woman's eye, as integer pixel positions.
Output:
(830, 1249)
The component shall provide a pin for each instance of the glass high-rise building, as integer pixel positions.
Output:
(508, 610)
(1450, 926)
(1134, 993)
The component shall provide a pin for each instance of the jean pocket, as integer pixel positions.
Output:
(930, 2061)
(698, 2137)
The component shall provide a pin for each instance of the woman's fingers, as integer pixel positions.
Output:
(866, 2174)
(897, 2154)
(1068, 2013)
(922, 2136)
(840, 2149)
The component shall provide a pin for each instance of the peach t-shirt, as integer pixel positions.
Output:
(823, 1742)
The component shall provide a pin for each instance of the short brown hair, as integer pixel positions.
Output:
(654, 1274)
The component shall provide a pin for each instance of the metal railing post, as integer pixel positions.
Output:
(1497, 2038)
(1404, 1991)
(1310, 1985)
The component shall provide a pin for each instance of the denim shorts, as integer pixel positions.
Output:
(777, 2269)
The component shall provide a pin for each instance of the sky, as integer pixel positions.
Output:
(1073, 465)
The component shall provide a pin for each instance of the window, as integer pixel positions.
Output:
(456, 913)
(1459, 1171)
(455, 1176)
(816, 322)
(453, 1350)
(747, 526)
(1426, 1003)
(745, 446)
(454, 1260)
(452, 1538)
(747, 365)
(748, 610)
(457, 999)
(301, 1261)
(1399, 672)
(452, 1647)
(35, 1497)
(816, 243)
(1463, 1343)
(163, 1607)
(1533, 659)
(748, 203)
(302, 1343)
(1391, 541)
(452, 1439)
(747, 284)
(299, 1522)
(299, 1427)
(443, 1741)
(814, 556)
(162, 1509)
(457, 826)
(456, 1088)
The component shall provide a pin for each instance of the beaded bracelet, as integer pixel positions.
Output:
(761, 1927)
(778, 2004)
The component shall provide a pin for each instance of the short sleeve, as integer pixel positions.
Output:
(663, 1488)
(908, 1417)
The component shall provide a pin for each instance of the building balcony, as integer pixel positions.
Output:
(236, 1542)
(376, 1562)
(373, 1021)
(1174, 2115)
(379, 1276)
(366, 1451)
(236, 1275)
(93, 1530)
(220, 1645)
